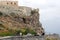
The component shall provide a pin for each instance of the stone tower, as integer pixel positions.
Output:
(9, 2)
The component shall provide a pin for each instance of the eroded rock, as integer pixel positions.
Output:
(21, 17)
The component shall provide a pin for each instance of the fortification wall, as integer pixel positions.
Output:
(9, 3)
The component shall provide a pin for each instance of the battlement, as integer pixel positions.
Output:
(9, 3)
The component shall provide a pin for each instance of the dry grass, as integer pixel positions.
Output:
(51, 38)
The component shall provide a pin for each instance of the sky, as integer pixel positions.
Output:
(49, 13)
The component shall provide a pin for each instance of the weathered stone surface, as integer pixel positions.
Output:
(20, 17)
(22, 38)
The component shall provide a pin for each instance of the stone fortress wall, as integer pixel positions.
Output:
(9, 3)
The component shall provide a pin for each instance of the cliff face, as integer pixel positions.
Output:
(20, 17)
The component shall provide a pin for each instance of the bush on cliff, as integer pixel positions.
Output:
(6, 33)
(1, 13)
(25, 31)
(33, 32)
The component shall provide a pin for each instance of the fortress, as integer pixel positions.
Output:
(18, 17)
(9, 3)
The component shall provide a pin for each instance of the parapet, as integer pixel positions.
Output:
(9, 3)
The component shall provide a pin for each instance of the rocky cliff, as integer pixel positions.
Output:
(20, 17)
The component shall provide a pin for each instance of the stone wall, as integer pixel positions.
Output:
(9, 3)
(23, 38)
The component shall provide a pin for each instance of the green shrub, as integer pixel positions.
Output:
(47, 39)
(17, 32)
(1, 13)
(33, 32)
(7, 34)
(12, 32)
(26, 31)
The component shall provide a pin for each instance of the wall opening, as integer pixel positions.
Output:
(11, 2)
(24, 20)
(7, 3)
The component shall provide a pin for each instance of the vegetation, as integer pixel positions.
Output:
(1, 13)
(11, 32)
(51, 38)
(6, 33)
(26, 31)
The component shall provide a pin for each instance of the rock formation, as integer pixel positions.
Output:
(17, 17)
